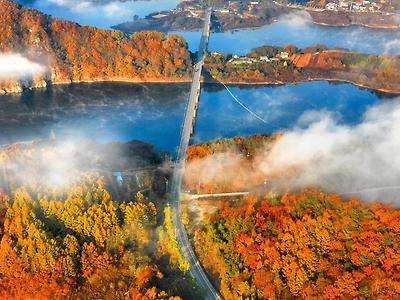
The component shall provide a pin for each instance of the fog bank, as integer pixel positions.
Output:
(361, 160)
(14, 65)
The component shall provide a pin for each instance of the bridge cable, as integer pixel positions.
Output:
(244, 106)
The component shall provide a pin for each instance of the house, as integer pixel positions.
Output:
(344, 5)
(234, 7)
(284, 55)
(196, 13)
(265, 58)
(331, 6)
(249, 15)
(222, 10)
(241, 60)
(254, 2)
(233, 58)
(159, 16)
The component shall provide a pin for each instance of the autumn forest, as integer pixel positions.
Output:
(134, 166)
(84, 239)
(74, 53)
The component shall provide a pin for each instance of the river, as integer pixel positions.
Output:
(292, 29)
(103, 14)
(154, 112)
(301, 34)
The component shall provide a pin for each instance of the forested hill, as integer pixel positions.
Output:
(73, 53)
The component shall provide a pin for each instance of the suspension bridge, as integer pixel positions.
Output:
(195, 269)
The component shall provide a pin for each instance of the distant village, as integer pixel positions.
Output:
(234, 14)
(361, 6)
(247, 9)
(245, 60)
(241, 9)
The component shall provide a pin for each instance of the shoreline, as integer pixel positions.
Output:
(275, 19)
(272, 83)
(275, 83)
(311, 22)
(116, 80)
(311, 10)
(356, 25)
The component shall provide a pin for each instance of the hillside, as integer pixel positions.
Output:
(296, 243)
(308, 245)
(67, 231)
(226, 165)
(74, 53)
(271, 65)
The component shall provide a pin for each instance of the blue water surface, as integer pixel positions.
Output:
(103, 15)
(154, 112)
(282, 33)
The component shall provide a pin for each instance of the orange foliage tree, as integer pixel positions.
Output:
(308, 245)
(84, 53)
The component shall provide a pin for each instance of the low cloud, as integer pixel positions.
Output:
(107, 8)
(298, 18)
(392, 47)
(50, 164)
(13, 65)
(397, 18)
(361, 160)
(113, 9)
(76, 6)
(60, 163)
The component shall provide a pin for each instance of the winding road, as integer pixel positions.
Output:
(196, 270)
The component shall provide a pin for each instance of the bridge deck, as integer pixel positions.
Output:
(196, 270)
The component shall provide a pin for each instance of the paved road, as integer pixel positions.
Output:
(200, 196)
(196, 271)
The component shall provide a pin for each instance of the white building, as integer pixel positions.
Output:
(222, 10)
(284, 55)
(331, 6)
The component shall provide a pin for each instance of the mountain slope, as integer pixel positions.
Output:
(73, 53)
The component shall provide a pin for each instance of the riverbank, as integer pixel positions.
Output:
(333, 80)
(322, 18)
(369, 20)
(229, 82)
(17, 89)
(211, 80)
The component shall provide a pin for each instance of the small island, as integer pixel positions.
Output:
(232, 15)
(276, 65)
